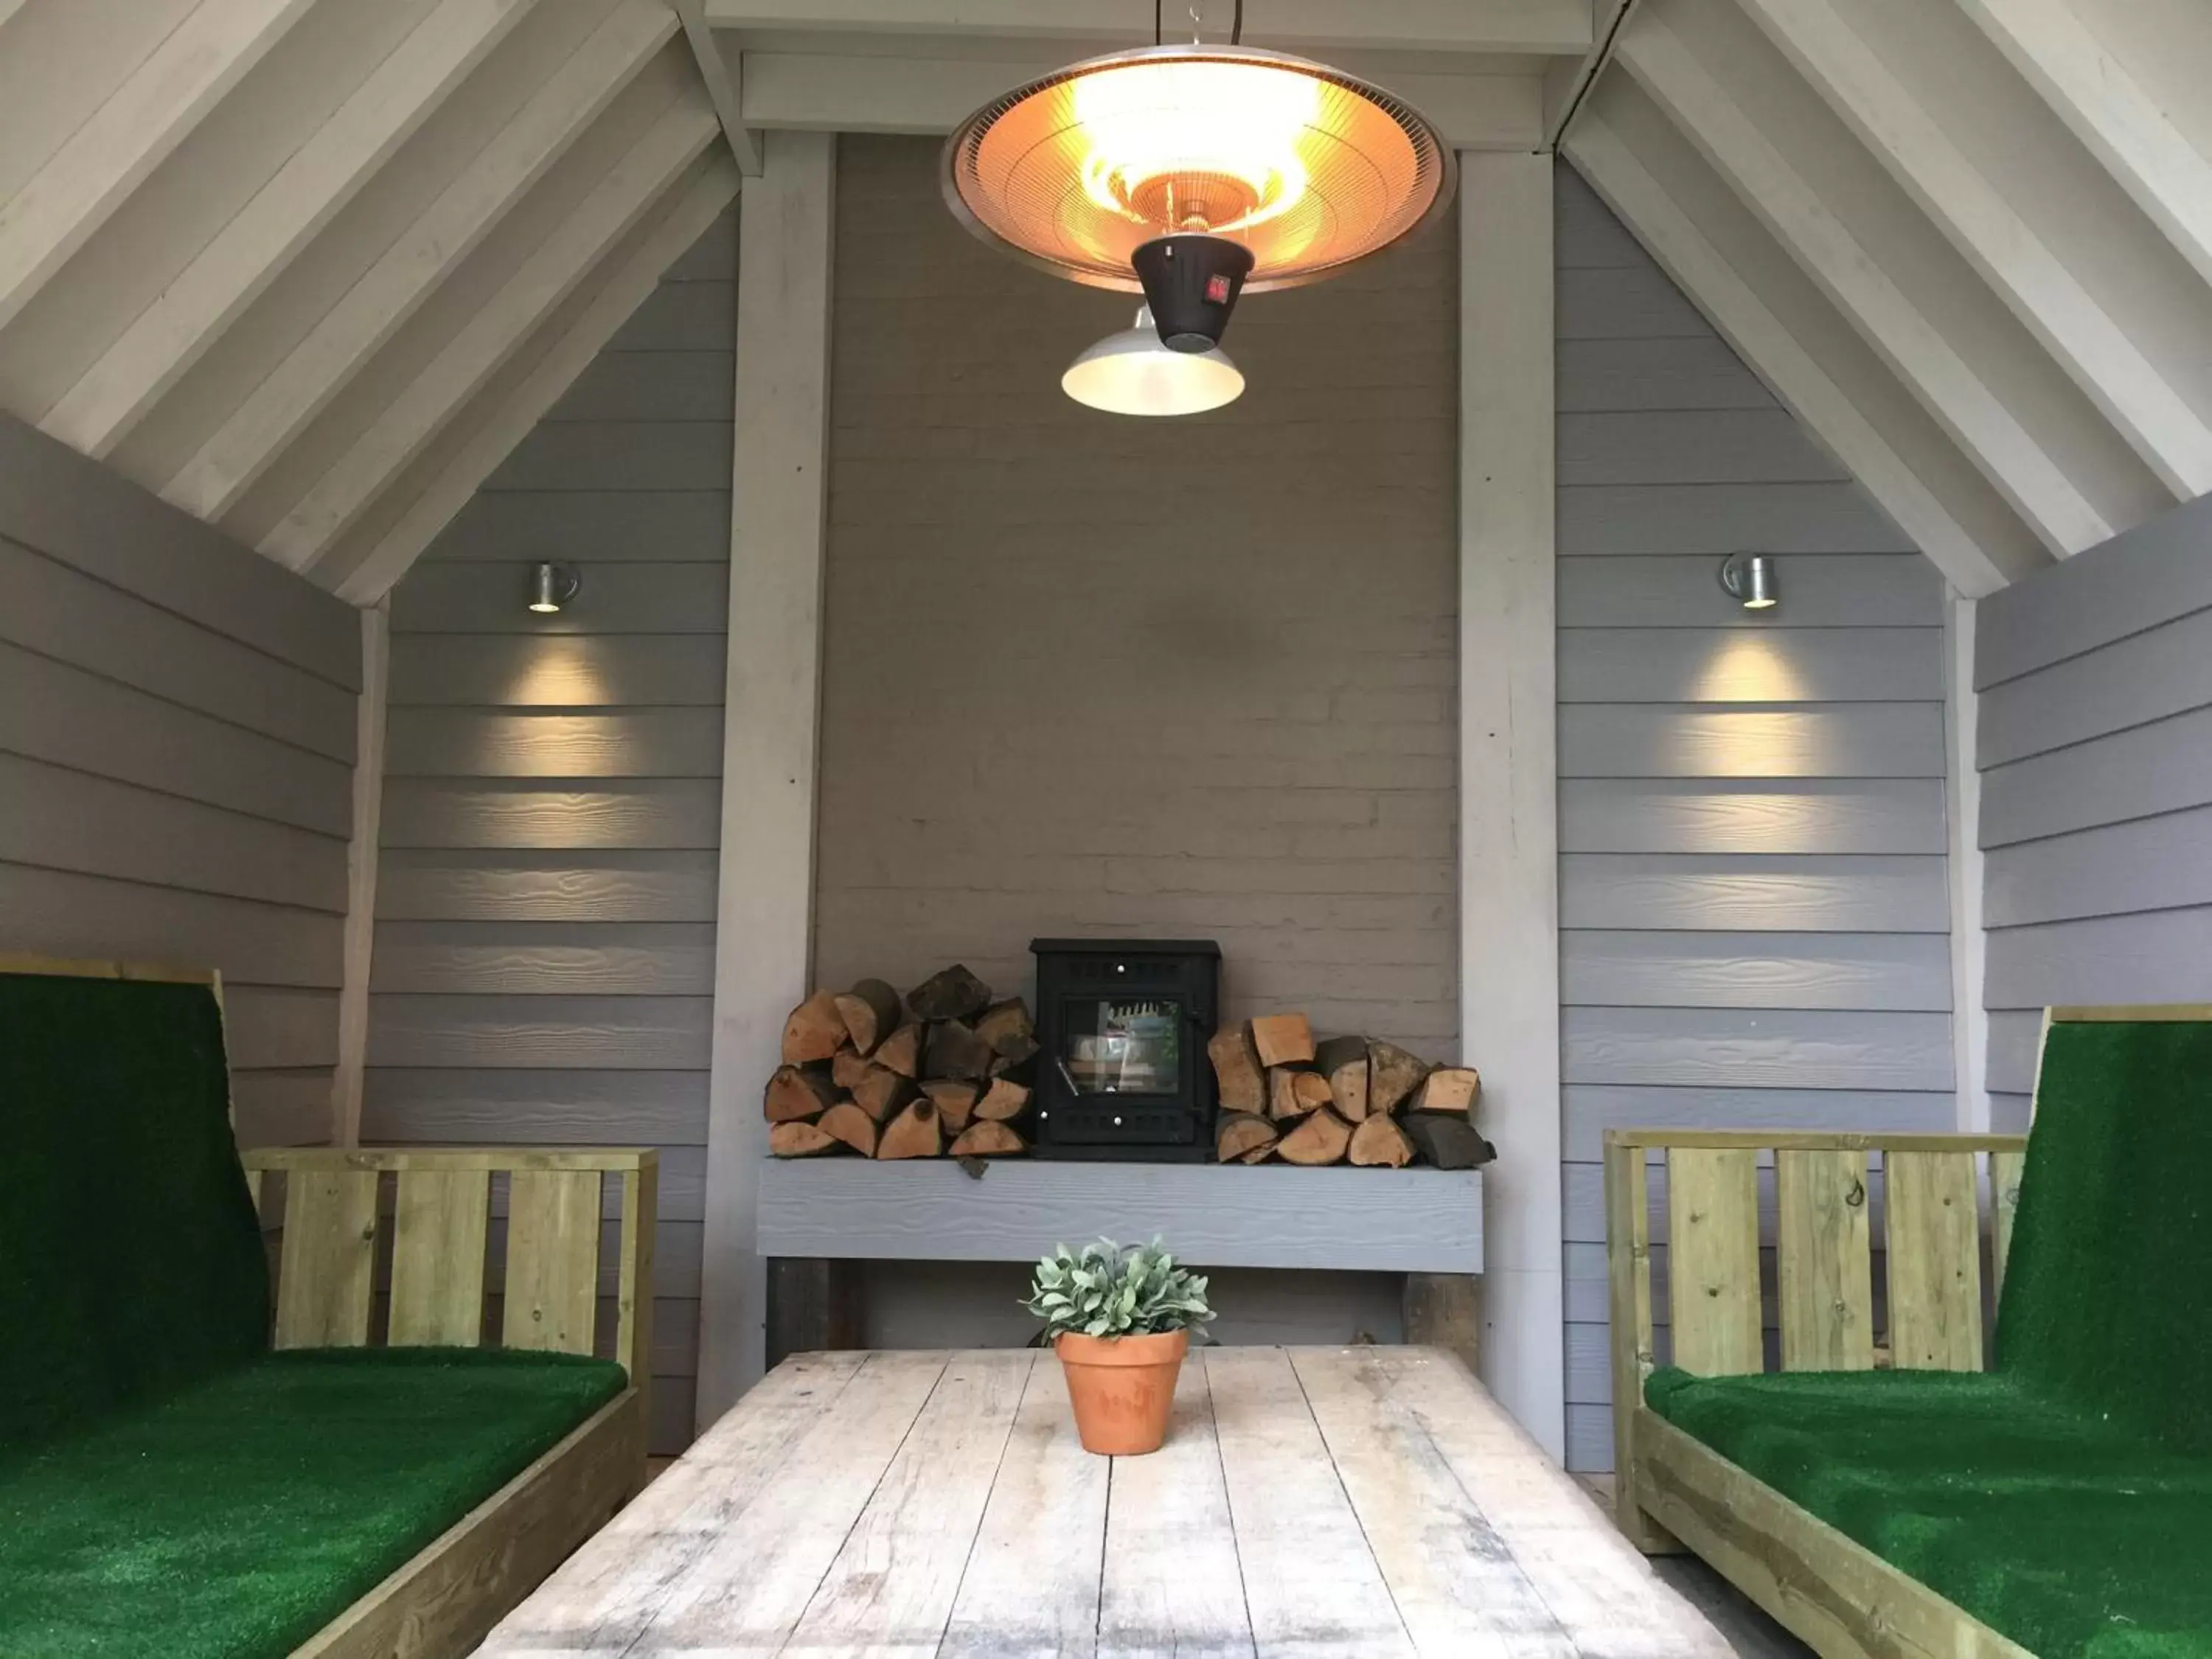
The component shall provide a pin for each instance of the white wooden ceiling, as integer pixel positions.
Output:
(309, 269)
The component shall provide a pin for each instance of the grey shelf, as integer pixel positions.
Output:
(1211, 1215)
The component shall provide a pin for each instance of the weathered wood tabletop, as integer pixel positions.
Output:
(1315, 1502)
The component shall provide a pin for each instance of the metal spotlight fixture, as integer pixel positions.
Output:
(1751, 580)
(551, 586)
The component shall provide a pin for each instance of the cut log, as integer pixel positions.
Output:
(1448, 1089)
(915, 1133)
(1378, 1141)
(902, 1051)
(871, 1014)
(953, 1049)
(1392, 1074)
(1235, 1134)
(1007, 1027)
(955, 1100)
(1323, 1138)
(1260, 1154)
(1005, 1098)
(952, 994)
(882, 1092)
(1292, 1091)
(813, 1030)
(1283, 1039)
(851, 1125)
(989, 1140)
(1242, 1084)
(1447, 1140)
(795, 1094)
(847, 1068)
(1343, 1062)
(1022, 1071)
(800, 1140)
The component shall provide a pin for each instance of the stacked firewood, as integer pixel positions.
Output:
(943, 1070)
(1349, 1099)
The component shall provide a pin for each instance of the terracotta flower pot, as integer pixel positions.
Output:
(1122, 1388)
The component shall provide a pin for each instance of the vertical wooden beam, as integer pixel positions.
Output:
(1970, 1022)
(813, 1306)
(764, 914)
(1508, 771)
(1444, 1310)
(361, 874)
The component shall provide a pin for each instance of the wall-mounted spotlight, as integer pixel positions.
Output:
(1750, 578)
(551, 586)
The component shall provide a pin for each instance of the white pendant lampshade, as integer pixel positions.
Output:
(1132, 372)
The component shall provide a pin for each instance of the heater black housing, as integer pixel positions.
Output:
(1191, 284)
(1121, 1029)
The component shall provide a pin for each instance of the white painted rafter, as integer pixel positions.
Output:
(236, 454)
(2109, 109)
(710, 189)
(256, 246)
(2033, 480)
(2097, 353)
(414, 419)
(721, 86)
(133, 133)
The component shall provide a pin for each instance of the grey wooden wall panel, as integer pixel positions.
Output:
(671, 813)
(2154, 955)
(2164, 767)
(2146, 864)
(1806, 815)
(2015, 1035)
(177, 719)
(2150, 576)
(2146, 676)
(1882, 972)
(601, 526)
(1666, 740)
(70, 716)
(1754, 888)
(1820, 589)
(574, 670)
(1640, 520)
(74, 510)
(59, 612)
(1822, 665)
(542, 972)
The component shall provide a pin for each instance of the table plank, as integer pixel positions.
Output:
(1454, 1581)
(1031, 1588)
(1311, 1586)
(891, 1589)
(1173, 1586)
(600, 1601)
(1599, 1587)
(741, 1596)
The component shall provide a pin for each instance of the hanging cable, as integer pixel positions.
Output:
(1155, 22)
(1236, 29)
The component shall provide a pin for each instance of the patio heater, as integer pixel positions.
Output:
(1194, 174)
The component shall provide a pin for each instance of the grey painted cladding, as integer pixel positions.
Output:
(1753, 891)
(545, 901)
(177, 732)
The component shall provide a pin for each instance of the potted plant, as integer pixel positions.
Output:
(1120, 1319)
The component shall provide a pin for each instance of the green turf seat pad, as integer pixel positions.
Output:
(130, 1262)
(237, 1518)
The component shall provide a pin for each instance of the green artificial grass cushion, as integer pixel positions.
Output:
(130, 1262)
(237, 1518)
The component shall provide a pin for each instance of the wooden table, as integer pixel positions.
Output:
(1320, 1503)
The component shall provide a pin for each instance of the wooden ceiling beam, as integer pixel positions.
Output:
(325, 361)
(2122, 122)
(721, 85)
(2034, 481)
(133, 133)
(2085, 340)
(366, 575)
(316, 181)
(415, 418)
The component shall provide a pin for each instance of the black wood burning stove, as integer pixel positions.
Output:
(1121, 1070)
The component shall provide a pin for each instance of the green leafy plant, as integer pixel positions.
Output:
(1106, 1289)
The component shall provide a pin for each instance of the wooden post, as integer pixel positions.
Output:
(813, 1306)
(361, 873)
(1507, 771)
(1970, 1023)
(1444, 1310)
(764, 912)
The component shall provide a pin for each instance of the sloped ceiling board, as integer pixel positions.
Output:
(308, 268)
(1966, 241)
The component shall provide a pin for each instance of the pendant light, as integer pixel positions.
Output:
(1196, 173)
(1134, 372)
